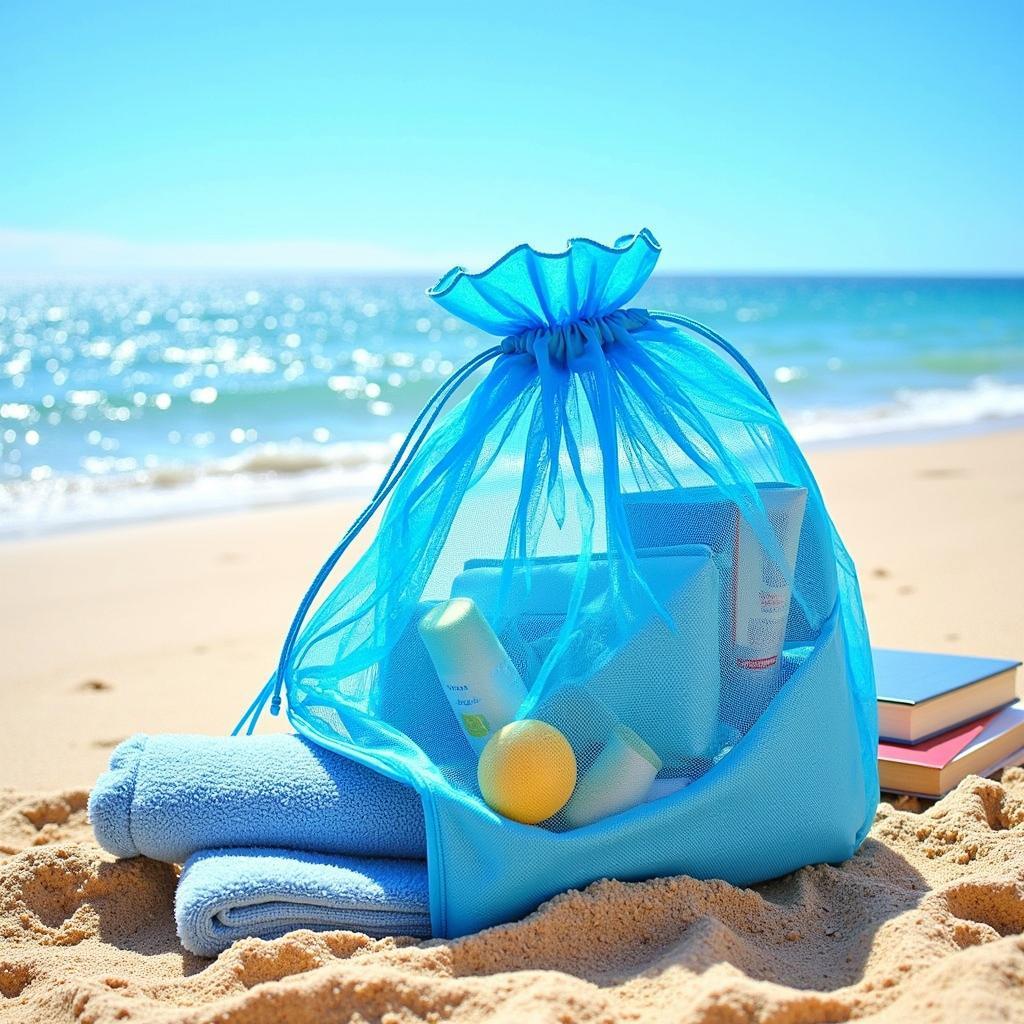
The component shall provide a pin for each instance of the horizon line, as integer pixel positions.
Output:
(170, 273)
(27, 254)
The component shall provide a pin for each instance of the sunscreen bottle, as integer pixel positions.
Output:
(762, 594)
(481, 683)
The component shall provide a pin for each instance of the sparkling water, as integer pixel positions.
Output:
(121, 400)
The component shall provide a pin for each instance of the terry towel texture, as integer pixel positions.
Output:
(225, 895)
(168, 797)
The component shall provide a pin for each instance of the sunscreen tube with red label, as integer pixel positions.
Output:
(762, 592)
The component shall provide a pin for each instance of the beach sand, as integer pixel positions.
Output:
(172, 626)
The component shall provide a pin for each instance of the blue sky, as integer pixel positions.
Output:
(749, 136)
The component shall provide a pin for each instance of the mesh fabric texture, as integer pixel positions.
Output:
(629, 512)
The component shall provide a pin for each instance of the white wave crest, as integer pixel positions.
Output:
(268, 474)
(934, 409)
(265, 474)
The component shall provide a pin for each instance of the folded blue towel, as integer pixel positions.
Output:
(167, 797)
(225, 895)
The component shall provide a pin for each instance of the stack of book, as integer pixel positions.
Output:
(942, 717)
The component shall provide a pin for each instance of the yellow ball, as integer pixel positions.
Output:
(527, 771)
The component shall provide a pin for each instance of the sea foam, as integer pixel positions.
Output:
(271, 474)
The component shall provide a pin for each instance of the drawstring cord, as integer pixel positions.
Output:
(566, 341)
(715, 339)
(399, 464)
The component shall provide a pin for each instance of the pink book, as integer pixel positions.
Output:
(938, 751)
(934, 767)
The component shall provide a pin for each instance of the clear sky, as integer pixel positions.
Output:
(749, 136)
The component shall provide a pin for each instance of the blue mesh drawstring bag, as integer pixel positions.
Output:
(605, 627)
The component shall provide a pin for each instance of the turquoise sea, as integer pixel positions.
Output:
(126, 400)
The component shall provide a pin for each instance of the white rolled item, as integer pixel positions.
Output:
(619, 778)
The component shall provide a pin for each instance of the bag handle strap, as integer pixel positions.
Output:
(399, 464)
(716, 339)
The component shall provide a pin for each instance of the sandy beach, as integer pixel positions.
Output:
(172, 626)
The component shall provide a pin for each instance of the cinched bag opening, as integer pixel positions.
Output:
(606, 626)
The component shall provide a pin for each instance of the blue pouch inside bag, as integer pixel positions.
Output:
(605, 627)
(680, 722)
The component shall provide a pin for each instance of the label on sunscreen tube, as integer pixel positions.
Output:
(482, 685)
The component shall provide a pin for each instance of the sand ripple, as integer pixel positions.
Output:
(924, 924)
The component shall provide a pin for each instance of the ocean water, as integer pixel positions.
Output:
(125, 400)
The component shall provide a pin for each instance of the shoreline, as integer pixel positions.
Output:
(313, 486)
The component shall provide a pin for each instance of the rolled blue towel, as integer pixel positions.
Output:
(169, 796)
(225, 895)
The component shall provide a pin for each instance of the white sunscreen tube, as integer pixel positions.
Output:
(479, 680)
(762, 591)
(618, 779)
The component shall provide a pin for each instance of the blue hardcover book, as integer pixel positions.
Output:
(921, 695)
